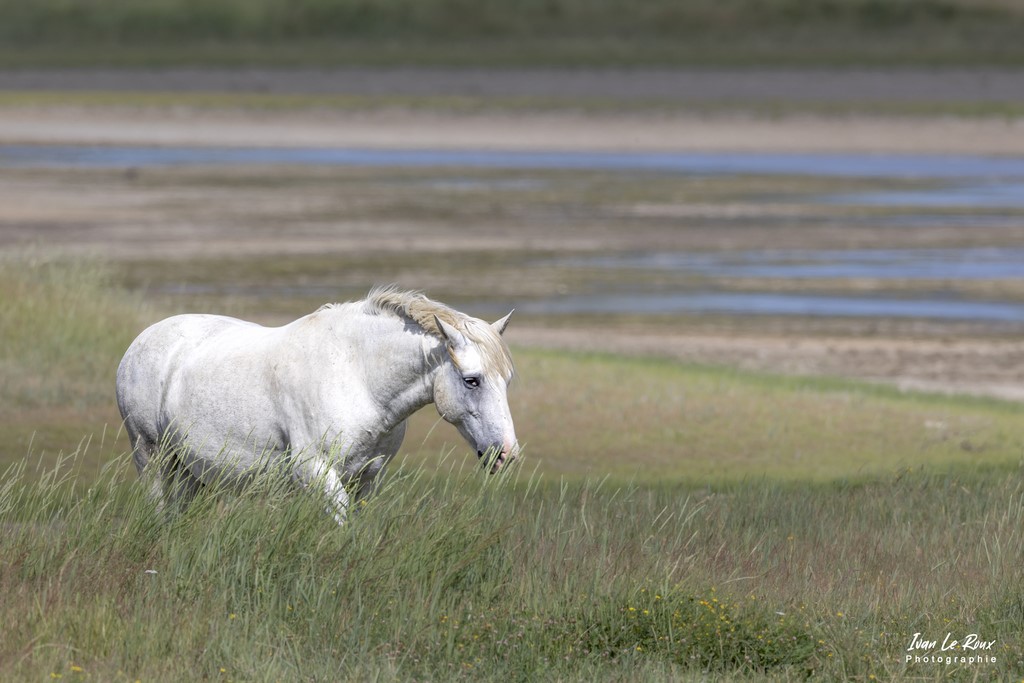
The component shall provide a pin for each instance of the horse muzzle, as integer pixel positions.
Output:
(495, 458)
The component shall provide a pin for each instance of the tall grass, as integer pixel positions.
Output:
(63, 328)
(559, 27)
(136, 22)
(510, 578)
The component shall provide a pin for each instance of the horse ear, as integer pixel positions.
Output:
(500, 325)
(451, 335)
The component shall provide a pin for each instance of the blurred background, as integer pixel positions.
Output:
(798, 187)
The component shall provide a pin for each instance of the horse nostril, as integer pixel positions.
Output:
(479, 454)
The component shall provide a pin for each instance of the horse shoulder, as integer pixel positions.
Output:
(322, 372)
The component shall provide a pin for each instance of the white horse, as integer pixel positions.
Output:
(326, 396)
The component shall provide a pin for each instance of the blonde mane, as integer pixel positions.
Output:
(417, 307)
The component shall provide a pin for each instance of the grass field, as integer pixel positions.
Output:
(668, 521)
(524, 32)
(452, 578)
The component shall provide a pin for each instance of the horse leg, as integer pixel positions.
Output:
(170, 485)
(314, 473)
(144, 450)
(371, 475)
(367, 487)
(179, 485)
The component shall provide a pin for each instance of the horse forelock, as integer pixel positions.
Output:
(424, 312)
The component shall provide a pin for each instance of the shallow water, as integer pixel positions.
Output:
(973, 181)
(922, 166)
(759, 303)
(946, 266)
(992, 195)
(966, 183)
(987, 263)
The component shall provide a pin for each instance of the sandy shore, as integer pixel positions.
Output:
(653, 114)
(397, 129)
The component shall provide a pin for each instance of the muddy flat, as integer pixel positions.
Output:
(271, 241)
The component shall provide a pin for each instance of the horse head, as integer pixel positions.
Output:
(471, 388)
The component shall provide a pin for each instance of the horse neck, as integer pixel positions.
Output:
(401, 364)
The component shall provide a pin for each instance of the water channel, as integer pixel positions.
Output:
(992, 186)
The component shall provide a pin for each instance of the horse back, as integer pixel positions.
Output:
(185, 359)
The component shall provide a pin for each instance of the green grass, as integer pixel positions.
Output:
(456, 577)
(811, 48)
(522, 32)
(130, 21)
(652, 419)
(775, 528)
(579, 415)
(62, 323)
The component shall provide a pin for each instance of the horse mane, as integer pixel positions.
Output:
(390, 300)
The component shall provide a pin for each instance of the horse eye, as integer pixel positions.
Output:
(472, 382)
